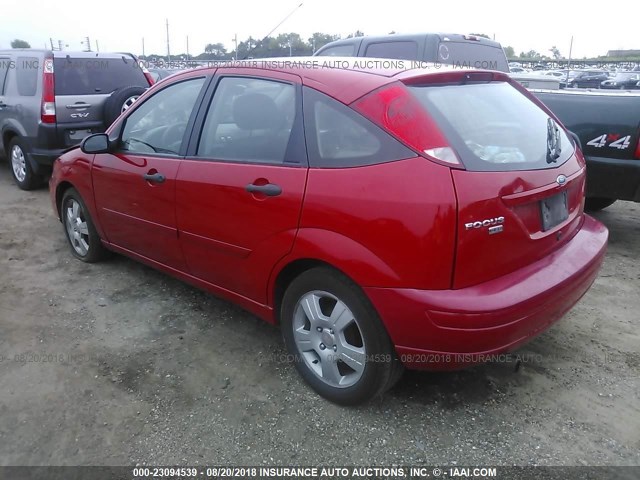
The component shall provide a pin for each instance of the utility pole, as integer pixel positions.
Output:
(569, 61)
(143, 47)
(187, 48)
(168, 49)
(97, 47)
(235, 40)
(59, 44)
(51, 41)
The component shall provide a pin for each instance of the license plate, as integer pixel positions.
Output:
(78, 135)
(554, 210)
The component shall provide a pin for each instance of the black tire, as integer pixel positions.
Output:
(381, 369)
(595, 204)
(20, 165)
(95, 251)
(114, 105)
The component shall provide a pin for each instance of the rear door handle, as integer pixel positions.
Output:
(270, 189)
(79, 105)
(154, 177)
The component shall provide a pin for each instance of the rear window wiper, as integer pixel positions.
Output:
(554, 147)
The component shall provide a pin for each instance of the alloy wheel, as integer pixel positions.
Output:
(329, 339)
(18, 163)
(77, 229)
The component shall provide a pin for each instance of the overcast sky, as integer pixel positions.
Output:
(120, 25)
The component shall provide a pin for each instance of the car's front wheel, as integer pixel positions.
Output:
(23, 174)
(336, 338)
(79, 228)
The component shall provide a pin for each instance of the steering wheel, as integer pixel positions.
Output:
(173, 135)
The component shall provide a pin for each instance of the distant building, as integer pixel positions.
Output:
(623, 53)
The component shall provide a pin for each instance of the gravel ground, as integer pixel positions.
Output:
(115, 363)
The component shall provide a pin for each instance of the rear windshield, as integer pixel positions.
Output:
(473, 54)
(493, 127)
(86, 76)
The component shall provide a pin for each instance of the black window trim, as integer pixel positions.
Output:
(297, 130)
(185, 139)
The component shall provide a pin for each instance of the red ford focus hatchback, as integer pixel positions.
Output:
(384, 218)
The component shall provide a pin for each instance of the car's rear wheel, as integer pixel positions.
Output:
(21, 170)
(594, 204)
(336, 338)
(79, 228)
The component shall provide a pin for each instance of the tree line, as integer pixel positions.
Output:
(292, 44)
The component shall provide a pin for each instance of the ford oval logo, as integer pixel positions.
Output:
(561, 179)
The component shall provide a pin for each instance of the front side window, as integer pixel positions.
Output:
(27, 69)
(249, 120)
(159, 124)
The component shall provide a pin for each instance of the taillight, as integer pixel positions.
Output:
(396, 110)
(48, 113)
(147, 75)
(637, 155)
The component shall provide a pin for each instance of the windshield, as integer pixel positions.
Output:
(494, 127)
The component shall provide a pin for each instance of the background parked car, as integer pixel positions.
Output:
(588, 79)
(50, 101)
(622, 81)
(451, 49)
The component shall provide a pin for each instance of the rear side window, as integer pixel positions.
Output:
(5, 65)
(473, 54)
(396, 50)
(90, 76)
(338, 137)
(27, 69)
(338, 51)
(494, 127)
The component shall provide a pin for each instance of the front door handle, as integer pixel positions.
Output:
(154, 177)
(270, 189)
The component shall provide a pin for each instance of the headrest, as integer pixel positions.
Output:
(256, 111)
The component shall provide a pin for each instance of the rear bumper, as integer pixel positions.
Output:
(613, 178)
(449, 329)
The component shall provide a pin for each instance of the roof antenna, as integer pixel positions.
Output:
(274, 29)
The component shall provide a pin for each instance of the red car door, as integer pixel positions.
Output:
(135, 187)
(239, 192)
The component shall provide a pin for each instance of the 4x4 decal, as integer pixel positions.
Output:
(616, 140)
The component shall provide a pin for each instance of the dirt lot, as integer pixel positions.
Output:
(115, 363)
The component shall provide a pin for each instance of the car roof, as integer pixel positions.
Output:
(69, 53)
(344, 78)
(414, 36)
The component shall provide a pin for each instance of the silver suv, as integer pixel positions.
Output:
(51, 100)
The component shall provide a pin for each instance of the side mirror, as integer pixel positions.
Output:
(97, 143)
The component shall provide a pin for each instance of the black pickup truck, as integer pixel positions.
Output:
(608, 127)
